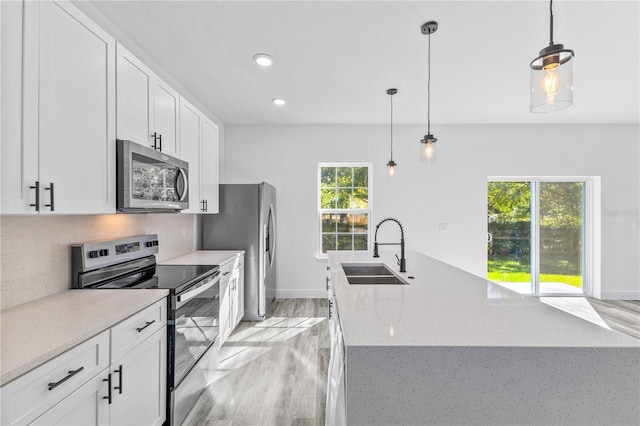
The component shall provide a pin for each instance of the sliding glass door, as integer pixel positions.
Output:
(536, 235)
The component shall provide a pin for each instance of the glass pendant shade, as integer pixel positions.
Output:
(552, 79)
(391, 169)
(428, 149)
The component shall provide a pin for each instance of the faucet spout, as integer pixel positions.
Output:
(402, 261)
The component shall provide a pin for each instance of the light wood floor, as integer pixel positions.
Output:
(620, 315)
(275, 372)
(272, 372)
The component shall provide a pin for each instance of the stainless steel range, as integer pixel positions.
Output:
(193, 304)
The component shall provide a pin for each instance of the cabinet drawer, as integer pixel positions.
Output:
(32, 394)
(129, 333)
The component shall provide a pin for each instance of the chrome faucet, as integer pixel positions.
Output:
(401, 261)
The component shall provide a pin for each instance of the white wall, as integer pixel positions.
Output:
(451, 191)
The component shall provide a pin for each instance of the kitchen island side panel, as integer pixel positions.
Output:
(492, 385)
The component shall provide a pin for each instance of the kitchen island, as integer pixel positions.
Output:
(454, 348)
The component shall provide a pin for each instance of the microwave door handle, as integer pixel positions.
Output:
(186, 184)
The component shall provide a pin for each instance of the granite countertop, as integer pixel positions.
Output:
(204, 257)
(35, 332)
(446, 306)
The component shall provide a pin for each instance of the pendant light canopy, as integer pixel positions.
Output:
(391, 165)
(552, 75)
(427, 147)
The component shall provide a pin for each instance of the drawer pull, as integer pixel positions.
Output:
(147, 324)
(52, 386)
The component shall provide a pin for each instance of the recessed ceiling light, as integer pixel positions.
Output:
(278, 101)
(263, 59)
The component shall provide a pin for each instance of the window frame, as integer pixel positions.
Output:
(320, 210)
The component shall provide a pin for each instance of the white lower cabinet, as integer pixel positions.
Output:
(85, 406)
(336, 405)
(87, 385)
(139, 383)
(231, 296)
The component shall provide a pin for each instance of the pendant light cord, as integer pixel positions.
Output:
(550, 22)
(391, 127)
(429, 90)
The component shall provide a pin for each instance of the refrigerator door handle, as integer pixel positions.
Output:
(272, 235)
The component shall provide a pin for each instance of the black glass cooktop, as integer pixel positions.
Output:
(175, 278)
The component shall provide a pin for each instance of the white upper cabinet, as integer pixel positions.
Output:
(148, 108)
(190, 137)
(199, 147)
(209, 192)
(68, 122)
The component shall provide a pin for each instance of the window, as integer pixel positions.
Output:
(344, 200)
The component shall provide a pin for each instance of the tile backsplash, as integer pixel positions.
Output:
(35, 253)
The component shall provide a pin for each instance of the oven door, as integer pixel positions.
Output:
(149, 180)
(197, 324)
(191, 335)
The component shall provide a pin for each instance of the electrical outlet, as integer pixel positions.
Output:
(442, 226)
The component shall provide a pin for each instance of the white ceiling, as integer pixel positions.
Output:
(334, 60)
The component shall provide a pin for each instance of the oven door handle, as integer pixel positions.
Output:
(196, 291)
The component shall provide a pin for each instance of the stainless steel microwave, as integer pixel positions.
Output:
(150, 181)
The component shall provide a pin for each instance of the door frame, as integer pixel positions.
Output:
(591, 231)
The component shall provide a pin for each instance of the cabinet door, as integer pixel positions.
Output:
(75, 111)
(225, 295)
(19, 171)
(166, 102)
(139, 383)
(190, 129)
(240, 290)
(72, 120)
(209, 166)
(86, 406)
(134, 99)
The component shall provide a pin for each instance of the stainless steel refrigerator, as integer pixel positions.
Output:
(247, 222)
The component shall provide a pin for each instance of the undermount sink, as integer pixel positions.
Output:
(371, 273)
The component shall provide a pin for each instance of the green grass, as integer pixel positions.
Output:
(518, 271)
(523, 277)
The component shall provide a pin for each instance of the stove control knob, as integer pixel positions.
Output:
(104, 252)
(93, 254)
(149, 244)
(155, 243)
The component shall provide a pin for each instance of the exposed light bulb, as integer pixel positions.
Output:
(550, 84)
(428, 149)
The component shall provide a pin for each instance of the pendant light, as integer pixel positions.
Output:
(427, 147)
(391, 165)
(552, 76)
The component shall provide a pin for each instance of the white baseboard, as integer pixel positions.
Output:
(620, 295)
(299, 293)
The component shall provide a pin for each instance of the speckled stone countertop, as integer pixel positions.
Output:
(446, 306)
(35, 332)
(204, 257)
